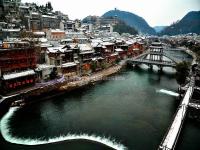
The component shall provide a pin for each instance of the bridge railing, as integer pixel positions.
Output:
(181, 109)
(148, 52)
(147, 61)
(164, 147)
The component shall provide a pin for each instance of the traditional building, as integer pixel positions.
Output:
(69, 25)
(9, 33)
(17, 64)
(35, 22)
(55, 35)
(85, 57)
(44, 71)
(50, 22)
(25, 15)
(135, 49)
(99, 58)
(110, 54)
(110, 47)
(122, 53)
(69, 69)
(63, 59)
(39, 22)
(99, 48)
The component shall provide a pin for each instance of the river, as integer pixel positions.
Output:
(131, 110)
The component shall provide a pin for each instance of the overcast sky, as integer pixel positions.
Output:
(155, 12)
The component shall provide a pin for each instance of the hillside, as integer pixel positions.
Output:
(122, 27)
(132, 20)
(190, 23)
(90, 19)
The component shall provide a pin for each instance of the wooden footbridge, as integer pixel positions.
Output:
(155, 56)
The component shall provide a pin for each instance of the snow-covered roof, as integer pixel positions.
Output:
(53, 49)
(86, 52)
(66, 40)
(106, 39)
(38, 33)
(11, 30)
(57, 31)
(119, 50)
(136, 49)
(96, 44)
(107, 43)
(47, 16)
(44, 66)
(69, 64)
(58, 49)
(119, 41)
(85, 47)
(43, 40)
(130, 42)
(114, 54)
(18, 74)
(97, 58)
(35, 13)
(45, 45)
(96, 41)
(70, 21)
(22, 6)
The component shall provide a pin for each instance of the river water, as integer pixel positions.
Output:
(131, 110)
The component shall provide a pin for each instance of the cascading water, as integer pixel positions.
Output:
(168, 92)
(5, 131)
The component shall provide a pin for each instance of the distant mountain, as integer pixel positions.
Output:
(190, 23)
(158, 29)
(132, 20)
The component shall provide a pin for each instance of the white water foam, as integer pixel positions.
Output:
(168, 92)
(5, 131)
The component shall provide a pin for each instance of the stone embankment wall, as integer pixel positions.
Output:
(91, 79)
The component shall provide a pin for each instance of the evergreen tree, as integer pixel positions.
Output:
(49, 6)
(182, 71)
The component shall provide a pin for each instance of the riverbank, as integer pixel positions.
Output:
(191, 53)
(57, 86)
(99, 76)
(64, 84)
(183, 88)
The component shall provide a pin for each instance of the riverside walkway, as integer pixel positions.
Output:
(171, 137)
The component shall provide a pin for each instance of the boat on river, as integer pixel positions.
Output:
(18, 103)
